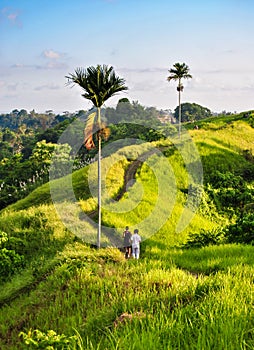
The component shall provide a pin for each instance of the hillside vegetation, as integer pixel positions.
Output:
(191, 289)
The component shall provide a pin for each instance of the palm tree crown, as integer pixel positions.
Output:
(178, 72)
(99, 83)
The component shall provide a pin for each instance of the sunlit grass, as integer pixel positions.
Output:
(172, 298)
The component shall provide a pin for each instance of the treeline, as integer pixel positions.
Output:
(125, 111)
(33, 120)
(28, 140)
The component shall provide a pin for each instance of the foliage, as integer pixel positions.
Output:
(178, 72)
(28, 139)
(21, 177)
(31, 120)
(196, 298)
(228, 190)
(36, 339)
(10, 261)
(130, 133)
(191, 112)
(242, 231)
(204, 238)
(134, 113)
(203, 301)
(99, 83)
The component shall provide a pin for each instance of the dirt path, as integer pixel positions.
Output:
(129, 177)
(129, 180)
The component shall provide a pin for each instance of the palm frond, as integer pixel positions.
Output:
(99, 83)
(178, 72)
(89, 131)
(103, 131)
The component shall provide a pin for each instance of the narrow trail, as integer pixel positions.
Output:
(129, 180)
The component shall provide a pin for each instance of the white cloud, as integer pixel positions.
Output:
(12, 16)
(48, 66)
(56, 65)
(51, 54)
(47, 87)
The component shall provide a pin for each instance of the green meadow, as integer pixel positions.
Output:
(59, 292)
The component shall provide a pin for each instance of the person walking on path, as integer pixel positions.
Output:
(135, 239)
(127, 242)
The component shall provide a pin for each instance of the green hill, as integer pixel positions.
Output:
(172, 298)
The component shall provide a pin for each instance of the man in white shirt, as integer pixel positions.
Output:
(135, 239)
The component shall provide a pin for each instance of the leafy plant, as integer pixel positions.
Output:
(10, 262)
(204, 238)
(3, 238)
(242, 231)
(50, 340)
(229, 190)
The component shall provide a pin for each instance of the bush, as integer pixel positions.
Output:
(204, 238)
(3, 239)
(10, 262)
(226, 179)
(228, 190)
(36, 339)
(242, 231)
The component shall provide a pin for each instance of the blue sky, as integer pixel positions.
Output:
(42, 41)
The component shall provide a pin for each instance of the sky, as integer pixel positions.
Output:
(42, 41)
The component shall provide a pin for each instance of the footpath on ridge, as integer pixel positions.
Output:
(129, 180)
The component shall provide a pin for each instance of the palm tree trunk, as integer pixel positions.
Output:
(180, 112)
(99, 182)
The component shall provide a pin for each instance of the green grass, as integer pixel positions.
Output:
(168, 306)
(172, 298)
(222, 149)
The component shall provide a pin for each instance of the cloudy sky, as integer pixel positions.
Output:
(42, 41)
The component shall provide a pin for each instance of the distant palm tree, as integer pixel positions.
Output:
(178, 72)
(99, 83)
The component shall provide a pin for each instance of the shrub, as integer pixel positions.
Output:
(10, 262)
(228, 190)
(242, 231)
(204, 238)
(225, 180)
(3, 238)
(36, 339)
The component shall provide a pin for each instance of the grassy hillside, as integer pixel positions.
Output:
(172, 298)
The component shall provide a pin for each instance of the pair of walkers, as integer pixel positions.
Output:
(131, 243)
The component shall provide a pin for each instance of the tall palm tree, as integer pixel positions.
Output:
(99, 84)
(178, 72)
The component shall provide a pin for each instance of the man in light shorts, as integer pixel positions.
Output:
(135, 239)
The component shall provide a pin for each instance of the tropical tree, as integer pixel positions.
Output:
(99, 84)
(192, 112)
(178, 72)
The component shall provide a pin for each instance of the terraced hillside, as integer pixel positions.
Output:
(173, 297)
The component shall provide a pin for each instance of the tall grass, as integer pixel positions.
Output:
(166, 308)
(222, 149)
(171, 298)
